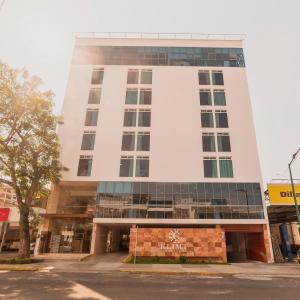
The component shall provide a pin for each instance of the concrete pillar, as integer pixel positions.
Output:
(99, 239)
(53, 200)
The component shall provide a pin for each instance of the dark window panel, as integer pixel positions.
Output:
(221, 120)
(224, 143)
(85, 167)
(88, 141)
(128, 141)
(205, 97)
(131, 96)
(133, 76)
(142, 167)
(207, 119)
(126, 167)
(97, 76)
(203, 77)
(129, 119)
(145, 97)
(94, 96)
(219, 98)
(226, 169)
(143, 142)
(144, 119)
(91, 117)
(217, 78)
(210, 168)
(146, 77)
(208, 143)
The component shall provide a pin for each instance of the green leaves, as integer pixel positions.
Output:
(29, 147)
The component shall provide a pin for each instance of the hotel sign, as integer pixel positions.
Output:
(281, 194)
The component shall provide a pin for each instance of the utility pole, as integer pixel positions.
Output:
(293, 187)
(1, 5)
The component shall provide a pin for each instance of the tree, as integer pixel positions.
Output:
(29, 147)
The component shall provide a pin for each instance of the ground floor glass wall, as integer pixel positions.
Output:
(70, 236)
(179, 200)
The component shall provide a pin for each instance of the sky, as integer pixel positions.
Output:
(39, 35)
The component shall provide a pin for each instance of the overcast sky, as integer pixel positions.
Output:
(38, 34)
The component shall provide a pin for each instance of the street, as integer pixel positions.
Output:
(123, 286)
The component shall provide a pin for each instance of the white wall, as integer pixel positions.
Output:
(176, 140)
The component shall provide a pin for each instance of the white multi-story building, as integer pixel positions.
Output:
(158, 133)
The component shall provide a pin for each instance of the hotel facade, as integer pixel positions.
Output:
(159, 140)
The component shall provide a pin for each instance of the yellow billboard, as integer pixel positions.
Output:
(281, 194)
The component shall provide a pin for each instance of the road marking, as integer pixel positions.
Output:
(46, 269)
(253, 277)
(3, 271)
(82, 292)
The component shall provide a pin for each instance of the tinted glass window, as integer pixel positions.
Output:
(131, 96)
(94, 96)
(204, 78)
(85, 167)
(128, 141)
(205, 97)
(145, 97)
(91, 117)
(143, 142)
(224, 143)
(208, 143)
(219, 98)
(126, 167)
(217, 78)
(133, 76)
(226, 169)
(146, 77)
(129, 118)
(207, 119)
(142, 167)
(144, 118)
(210, 168)
(221, 120)
(97, 76)
(88, 141)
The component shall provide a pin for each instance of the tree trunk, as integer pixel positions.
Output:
(24, 250)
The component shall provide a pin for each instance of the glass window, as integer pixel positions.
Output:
(142, 167)
(91, 117)
(204, 78)
(143, 141)
(146, 77)
(126, 166)
(144, 118)
(205, 97)
(131, 96)
(221, 119)
(217, 78)
(129, 118)
(145, 97)
(208, 142)
(210, 167)
(219, 97)
(226, 169)
(133, 76)
(94, 96)
(88, 141)
(85, 166)
(223, 143)
(128, 141)
(97, 76)
(207, 119)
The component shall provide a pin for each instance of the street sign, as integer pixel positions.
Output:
(4, 213)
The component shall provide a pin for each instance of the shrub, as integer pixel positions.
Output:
(183, 259)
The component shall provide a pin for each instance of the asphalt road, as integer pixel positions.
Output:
(124, 286)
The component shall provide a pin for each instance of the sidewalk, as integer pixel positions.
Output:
(251, 268)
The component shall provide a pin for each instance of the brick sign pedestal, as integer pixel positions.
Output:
(203, 244)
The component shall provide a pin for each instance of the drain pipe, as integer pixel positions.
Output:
(136, 238)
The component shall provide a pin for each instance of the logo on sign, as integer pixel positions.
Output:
(174, 241)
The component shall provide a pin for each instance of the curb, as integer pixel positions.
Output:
(85, 257)
(21, 268)
(212, 274)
